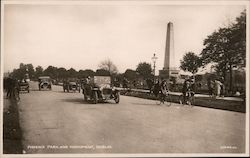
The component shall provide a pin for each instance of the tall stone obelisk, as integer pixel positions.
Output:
(169, 68)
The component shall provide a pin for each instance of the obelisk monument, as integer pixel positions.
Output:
(169, 70)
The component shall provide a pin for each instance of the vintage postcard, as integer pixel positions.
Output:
(135, 78)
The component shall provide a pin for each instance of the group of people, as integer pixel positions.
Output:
(11, 86)
(216, 88)
(163, 88)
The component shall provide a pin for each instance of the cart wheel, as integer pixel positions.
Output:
(117, 98)
(95, 97)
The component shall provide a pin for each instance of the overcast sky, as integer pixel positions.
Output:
(81, 36)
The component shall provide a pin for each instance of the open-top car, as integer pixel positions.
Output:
(44, 82)
(71, 86)
(98, 88)
(24, 86)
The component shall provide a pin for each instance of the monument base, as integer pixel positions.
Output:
(168, 74)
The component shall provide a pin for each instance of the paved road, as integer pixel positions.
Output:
(58, 122)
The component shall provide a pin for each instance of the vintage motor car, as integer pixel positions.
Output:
(71, 86)
(44, 82)
(98, 88)
(24, 86)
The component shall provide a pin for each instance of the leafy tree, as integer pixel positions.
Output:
(227, 47)
(102, 72)
(130, 74)
(145, 70)
(85, 73)
(18, 74)
(109, 66)
(30, 70)
(23, 70)
(38, 71)
(72, 73)
(191, 62)
(51, 71)
(62, 73)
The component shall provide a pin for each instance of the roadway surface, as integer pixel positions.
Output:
(58, 122)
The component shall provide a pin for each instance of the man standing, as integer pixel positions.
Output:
(218, 85)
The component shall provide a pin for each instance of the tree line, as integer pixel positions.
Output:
(105, 68)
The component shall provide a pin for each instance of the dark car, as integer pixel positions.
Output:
(99, 88)
(24, 86)
(45, 82)
(71, 86)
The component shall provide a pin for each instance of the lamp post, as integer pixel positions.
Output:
(154, 58)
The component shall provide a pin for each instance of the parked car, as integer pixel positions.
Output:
(71, 86)
(98, 88)
(24, 86)
(44, 83)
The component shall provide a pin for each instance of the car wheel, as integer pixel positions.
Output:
(117, 98)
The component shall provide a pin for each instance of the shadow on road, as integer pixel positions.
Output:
(39, 90)
(82, 101)
(75, 100)
(158, 104)
(147, 104)
(67, 92)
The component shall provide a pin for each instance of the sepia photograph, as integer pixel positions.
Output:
(135, 78)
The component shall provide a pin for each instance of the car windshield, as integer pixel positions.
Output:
(44, 79)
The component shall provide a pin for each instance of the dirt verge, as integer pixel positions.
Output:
(12, 134)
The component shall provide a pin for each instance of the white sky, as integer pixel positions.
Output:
(82, 36)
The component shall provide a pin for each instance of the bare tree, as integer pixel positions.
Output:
(109, 66)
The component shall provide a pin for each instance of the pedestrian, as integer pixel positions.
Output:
(164, 90)
(218, 85)
(156, 88)
(16, 89)
(9, 87)
(184, 91)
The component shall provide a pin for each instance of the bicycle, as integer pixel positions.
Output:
(165, 97)
(189, 98)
